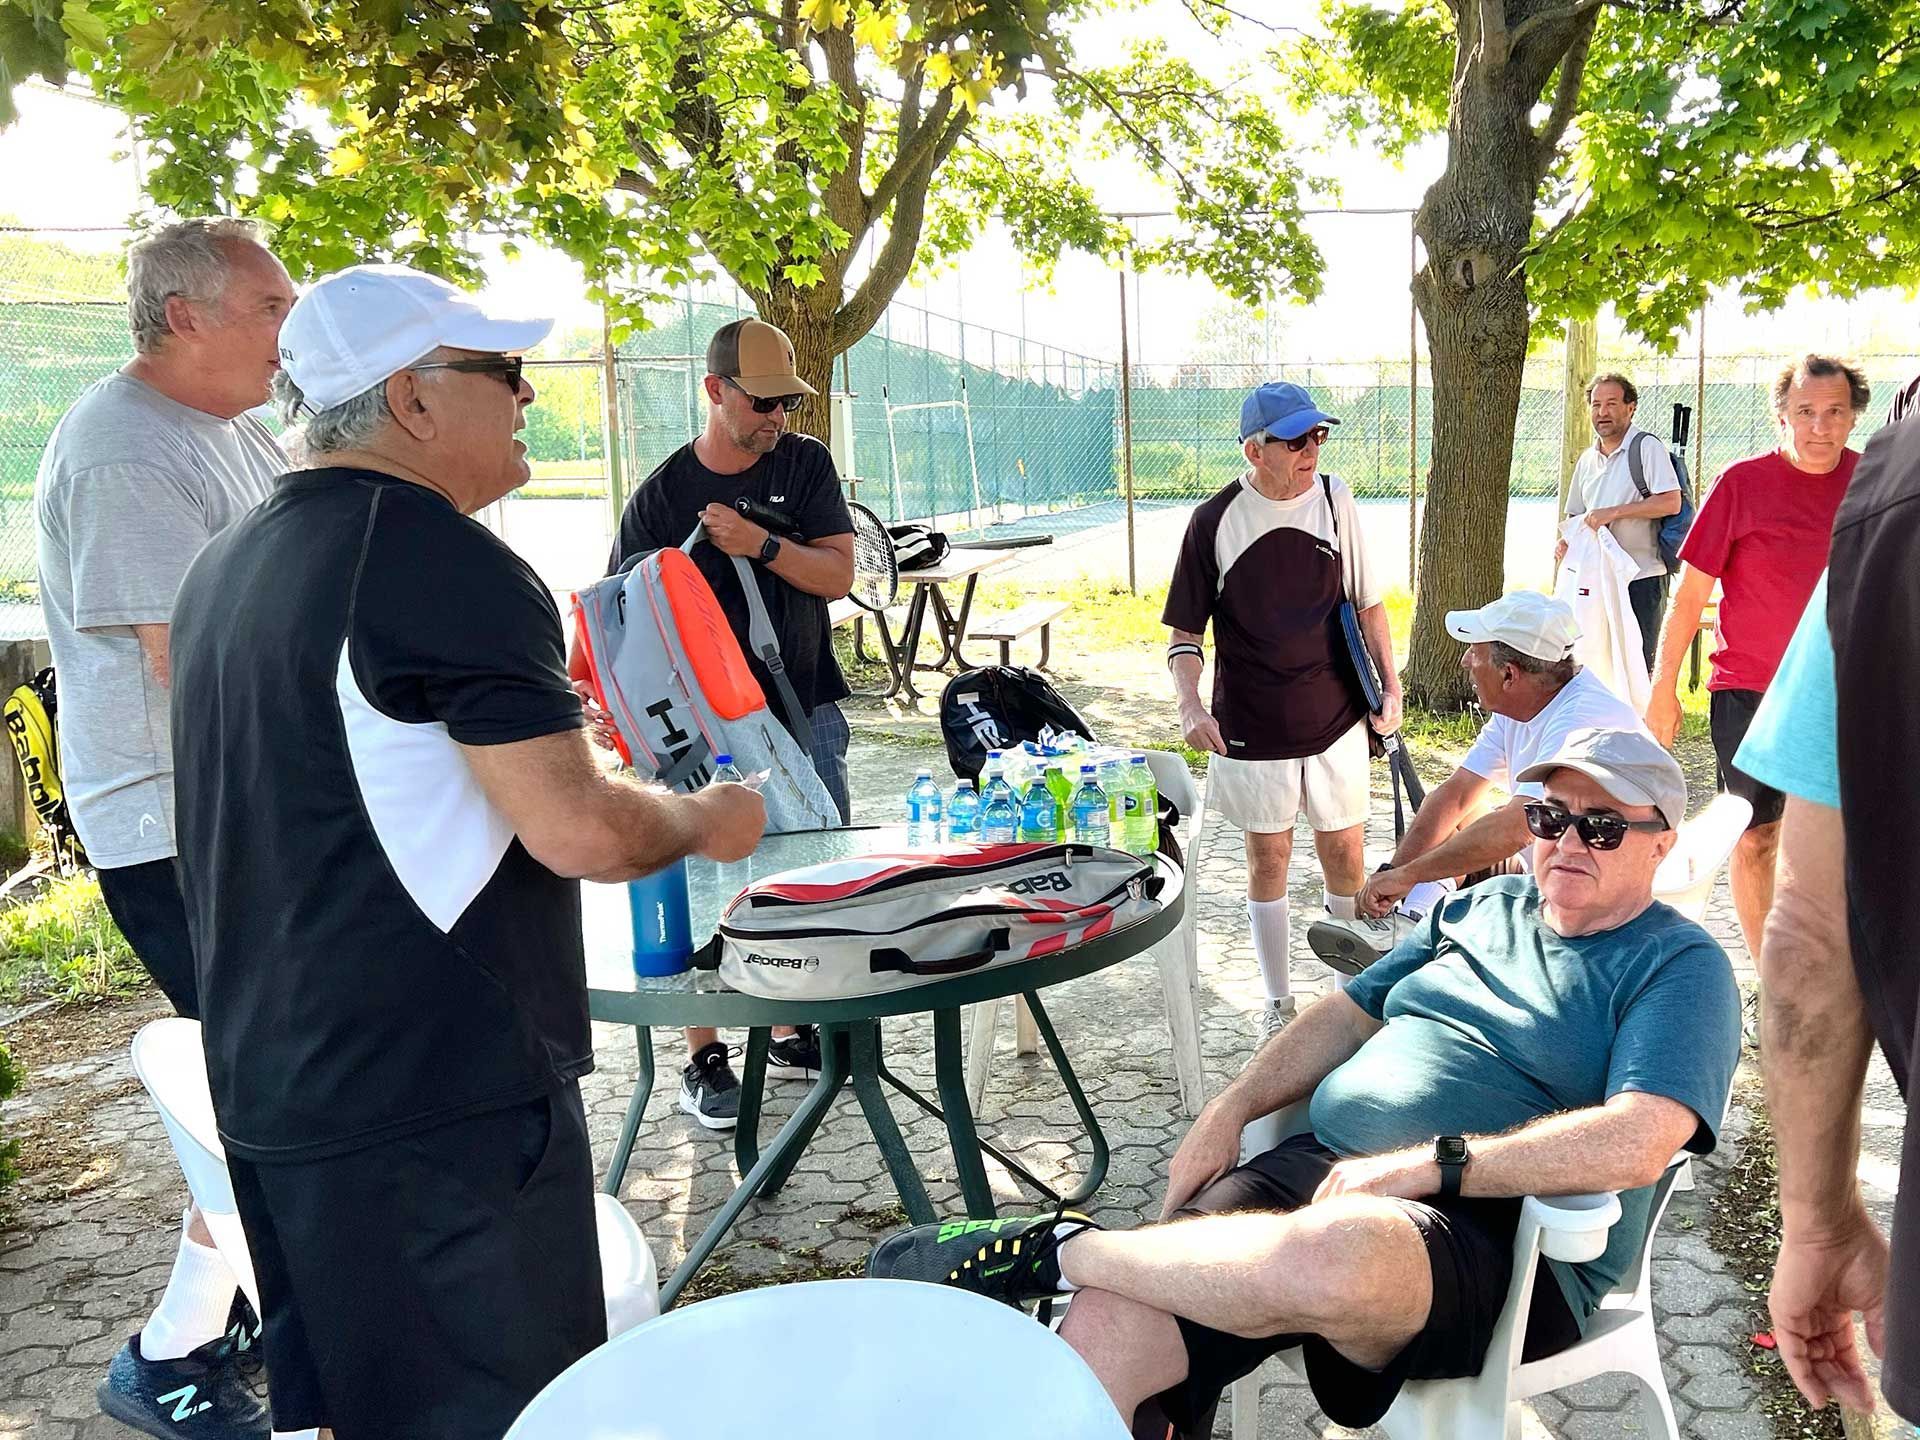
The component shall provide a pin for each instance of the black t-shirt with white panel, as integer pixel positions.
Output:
(1269, 576)
(377, 951)
(797, 478)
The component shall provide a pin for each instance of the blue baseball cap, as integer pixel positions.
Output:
(1283, 410)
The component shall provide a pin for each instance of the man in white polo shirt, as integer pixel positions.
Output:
(1520, 658)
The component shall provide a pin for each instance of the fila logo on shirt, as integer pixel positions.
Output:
(184, 1408)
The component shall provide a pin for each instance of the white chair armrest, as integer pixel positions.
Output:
(1573, 1228)
(1263, 1134)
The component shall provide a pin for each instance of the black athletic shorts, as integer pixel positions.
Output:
(146, 904)
(1470, 1248)
(427, 1287)
(1729, 713)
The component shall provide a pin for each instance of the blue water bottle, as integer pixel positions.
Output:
(662, 928)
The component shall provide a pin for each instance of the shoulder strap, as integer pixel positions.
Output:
(1634, 468)
(1333, 518)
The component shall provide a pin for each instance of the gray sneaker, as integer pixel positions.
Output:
(1275, 1016)
(1350, 946)
(709, 1090)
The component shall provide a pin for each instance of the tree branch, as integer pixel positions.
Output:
(1566, 100)
(1554, 16)
(895, 260)
(1494, 47)
(924, 140)
(1148, 145)
(842, 195)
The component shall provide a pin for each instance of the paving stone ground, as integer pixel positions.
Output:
(78, 1274)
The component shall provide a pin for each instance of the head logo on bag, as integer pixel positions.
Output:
(996, 707)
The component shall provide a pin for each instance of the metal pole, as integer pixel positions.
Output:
(1413, 408)
(610, 383)
(1700, 407)
(1126, 430)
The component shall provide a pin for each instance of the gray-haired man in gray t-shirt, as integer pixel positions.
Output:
(149, 464)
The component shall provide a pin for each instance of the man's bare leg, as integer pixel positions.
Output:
(1352, 1270)
(1342, 859)
(1754, 857)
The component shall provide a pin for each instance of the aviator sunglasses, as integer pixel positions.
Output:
(1597, 832)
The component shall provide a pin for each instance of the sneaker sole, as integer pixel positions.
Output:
(131, 1413)
(1338, 949)
(710, 1122)
(792, 1072)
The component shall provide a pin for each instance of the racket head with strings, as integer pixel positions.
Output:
(876, 569)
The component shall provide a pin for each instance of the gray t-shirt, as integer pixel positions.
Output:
(131, 485)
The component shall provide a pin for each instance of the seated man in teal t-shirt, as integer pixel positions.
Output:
(1549, 1036)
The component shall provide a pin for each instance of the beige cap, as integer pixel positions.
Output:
(1630, 765)
(757, 357)
(1532, 623)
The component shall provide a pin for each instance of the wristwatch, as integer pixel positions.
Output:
(770, 549)
(1450, 1154)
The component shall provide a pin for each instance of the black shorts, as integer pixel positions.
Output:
(1729, 713)
(431, 1285)
(146, 904)
(1470, 1248)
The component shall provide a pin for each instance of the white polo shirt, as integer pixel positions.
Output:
(1506, 746)
(1600, 481)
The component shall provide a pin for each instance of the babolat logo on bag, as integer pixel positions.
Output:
(31, 712)
(875, 923)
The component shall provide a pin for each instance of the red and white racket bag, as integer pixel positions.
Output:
(875, 923)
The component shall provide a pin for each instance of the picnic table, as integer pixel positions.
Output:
(929, 600)
(852, 1039)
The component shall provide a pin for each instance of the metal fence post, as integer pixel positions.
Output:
(610, 383)
(1126, 430)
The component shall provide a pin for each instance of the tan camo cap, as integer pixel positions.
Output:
(757, 357)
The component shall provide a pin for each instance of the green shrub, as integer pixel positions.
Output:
(63, 943)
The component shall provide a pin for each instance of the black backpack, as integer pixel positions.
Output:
(916, 547)
(995, 708)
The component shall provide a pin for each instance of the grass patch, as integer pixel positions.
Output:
(63, 943)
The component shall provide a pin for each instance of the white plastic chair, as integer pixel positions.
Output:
(828, 1360)
(1685, 878)
(168, 1058)
(1619, 1339)
(1178, 957)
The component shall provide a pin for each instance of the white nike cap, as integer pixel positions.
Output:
(1532, 623)
(353, 329)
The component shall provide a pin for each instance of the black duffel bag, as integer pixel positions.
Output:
(995, 708)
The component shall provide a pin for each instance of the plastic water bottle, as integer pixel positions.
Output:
(923, 810)
(725, 772)
(1091, 825)
(999, 816)
(662, 928)
(1144, 811)
(993, 781)
(1039, 813)
(729, 877)
(963, 811)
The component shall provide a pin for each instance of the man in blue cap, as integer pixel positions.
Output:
(1268, 561)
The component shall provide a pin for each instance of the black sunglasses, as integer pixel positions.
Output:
(507, 367)
(1319, 435)
(764, 404)
(1597, 832)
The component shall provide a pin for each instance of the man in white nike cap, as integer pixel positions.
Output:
(1520, 658)
(385, 797)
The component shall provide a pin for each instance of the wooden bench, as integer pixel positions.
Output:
(1003, 630)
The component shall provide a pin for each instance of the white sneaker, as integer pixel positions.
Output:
(1275, 1016)
(1350, 946)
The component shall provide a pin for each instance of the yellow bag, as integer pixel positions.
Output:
(30, 713)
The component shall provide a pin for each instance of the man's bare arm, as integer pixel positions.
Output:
(1496, 836)
(154, 649)
(1654, 507)
(582, 822)
(1197, 725)
(1446, 805)
(1676, 636)
(822, 567)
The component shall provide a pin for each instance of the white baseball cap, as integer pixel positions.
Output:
(353, 329)
(1532, 623)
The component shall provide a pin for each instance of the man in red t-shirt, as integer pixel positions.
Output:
(1762, 532)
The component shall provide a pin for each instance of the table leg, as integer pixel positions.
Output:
(960, 661)
(833, 1055)
(630, 1127)
(786, 1147)
(1096, 1137)
(952, 1081)
(753, 1089)
(864, 1067)
(910, 641)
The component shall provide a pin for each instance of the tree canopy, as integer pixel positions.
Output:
(816, 150)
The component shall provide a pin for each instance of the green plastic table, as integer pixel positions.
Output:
(851, 1039)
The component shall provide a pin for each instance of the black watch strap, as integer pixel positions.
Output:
(769, 549)
(1450, 1154)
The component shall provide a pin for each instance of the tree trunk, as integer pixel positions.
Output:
(1472, 295)
(807, 317)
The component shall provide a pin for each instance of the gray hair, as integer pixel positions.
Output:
(350, 425)
(1558, 671)
(190, 259)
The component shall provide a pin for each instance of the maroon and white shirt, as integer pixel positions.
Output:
(1269, 574)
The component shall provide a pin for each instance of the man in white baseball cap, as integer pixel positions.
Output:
(385, 798)
(1519, 656)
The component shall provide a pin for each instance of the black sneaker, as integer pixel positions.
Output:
(709, 1090)
(795, 1056)
(240, 1341)
(201, 1396)
(1011, 1260)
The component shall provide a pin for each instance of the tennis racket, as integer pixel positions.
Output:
(876, 569)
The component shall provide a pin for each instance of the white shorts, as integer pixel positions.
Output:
(1266, 796)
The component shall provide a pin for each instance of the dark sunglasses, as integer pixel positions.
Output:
(1318, 435)
(507, 367)
(1597, 832)
(765, 404)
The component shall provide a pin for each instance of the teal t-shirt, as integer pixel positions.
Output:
(1792, 742)
(1492, 1020)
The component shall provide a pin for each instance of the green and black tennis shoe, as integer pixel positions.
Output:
(1011, 1260)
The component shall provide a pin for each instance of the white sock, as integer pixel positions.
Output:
(1271, 925)
(1340, 907)
(194, 1308)
(1424, 896)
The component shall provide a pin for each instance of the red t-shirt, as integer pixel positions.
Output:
(1763, 531)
